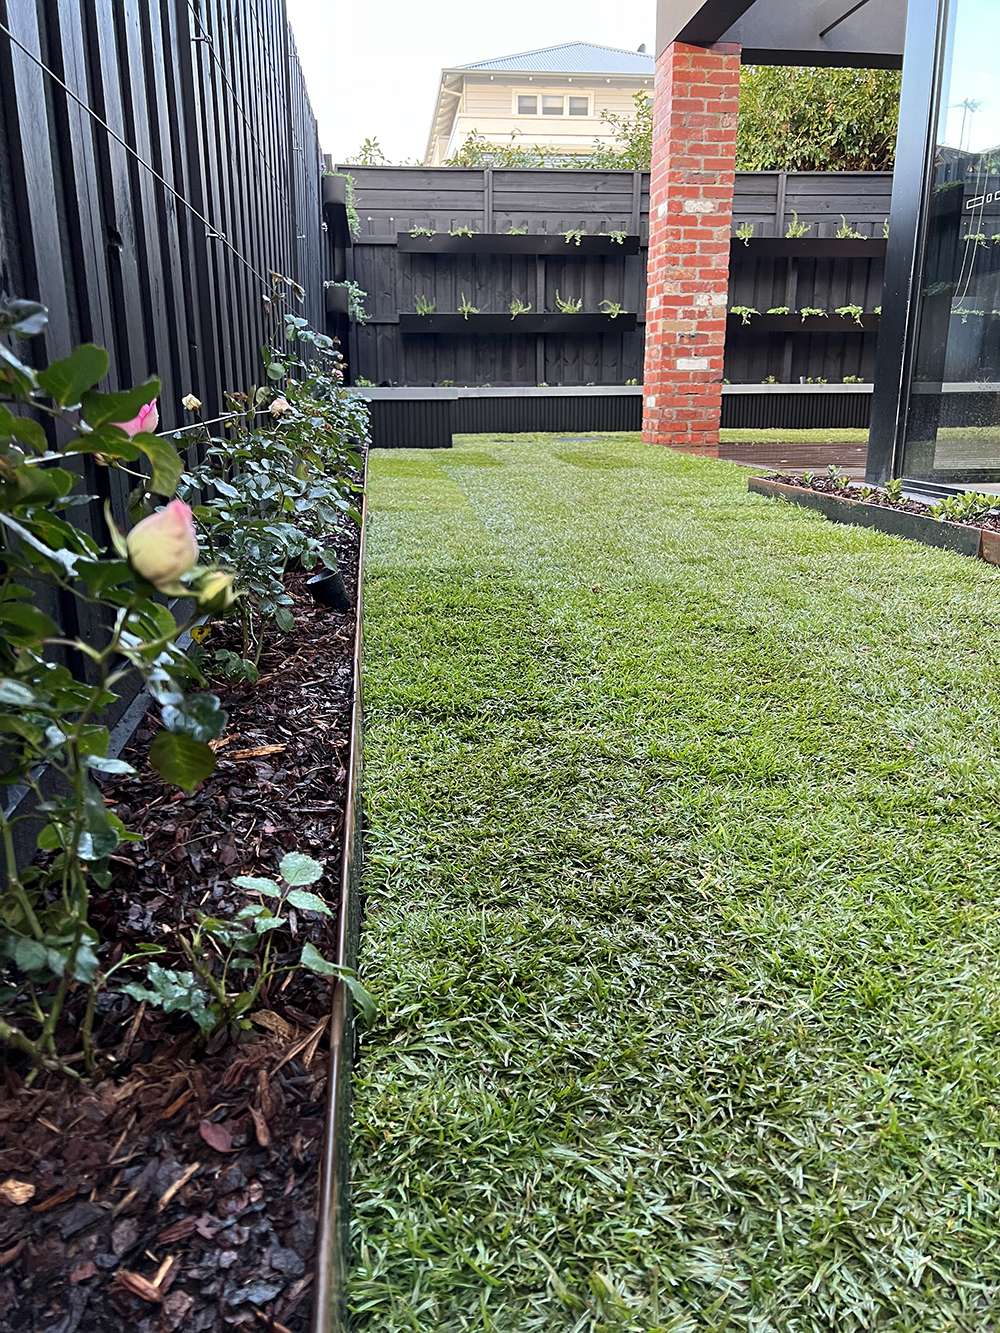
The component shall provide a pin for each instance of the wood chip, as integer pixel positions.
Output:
(8, 1256)
(54, 1200)
(260, 1128)
(216, 1136)
(16, 1192)
(258, 753)
(83, 1272)
(271, 1322)
(171, 1191)
(267, 1018)
(138, 1286)
(163, 1271)
(310, 1040)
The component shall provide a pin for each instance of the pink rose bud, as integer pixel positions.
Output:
(145, 423)
(280, 406)
(163, 546)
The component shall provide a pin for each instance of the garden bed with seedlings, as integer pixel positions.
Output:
(968, 524)
(175, 961)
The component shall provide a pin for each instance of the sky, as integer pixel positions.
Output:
(372, 66)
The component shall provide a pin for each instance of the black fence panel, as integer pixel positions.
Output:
(159, 162)
(393, 200)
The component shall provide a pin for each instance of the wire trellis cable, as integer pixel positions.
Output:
(212, 232)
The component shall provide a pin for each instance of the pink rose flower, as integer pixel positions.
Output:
(163, 546)
(145, 423)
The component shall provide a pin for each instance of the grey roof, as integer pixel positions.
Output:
(572, 58)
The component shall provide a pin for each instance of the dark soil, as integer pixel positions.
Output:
(827, 486)
(178, 1190)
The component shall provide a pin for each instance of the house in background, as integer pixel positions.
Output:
(552, 97)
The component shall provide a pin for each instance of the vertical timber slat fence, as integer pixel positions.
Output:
(159, 161)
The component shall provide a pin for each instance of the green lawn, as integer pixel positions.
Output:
(682, 915)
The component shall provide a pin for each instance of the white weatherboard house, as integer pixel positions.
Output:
(552, 97)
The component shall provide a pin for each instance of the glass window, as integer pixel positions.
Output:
(527, 104)
(552, 106)
(953, 423)
(579, 106)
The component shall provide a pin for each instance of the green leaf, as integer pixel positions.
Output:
(198, 716)
(13, 692)
(23, 318)
(308, 902)
(181, 759)
(296, 868)
(66, 381)
(14, 372)
(315, 962)
(255, 885)
(25, 625)
(165, 462)
(23, 429)
(100, 409)
(262, 924)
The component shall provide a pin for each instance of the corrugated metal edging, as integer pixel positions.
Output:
(412, 423)
(798, 411)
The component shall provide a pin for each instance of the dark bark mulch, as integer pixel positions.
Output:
(827, 486)
(178, 1190)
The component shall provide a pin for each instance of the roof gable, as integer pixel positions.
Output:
(572, 58)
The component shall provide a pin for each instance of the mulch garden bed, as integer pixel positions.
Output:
(178, 1190)
(829, 486)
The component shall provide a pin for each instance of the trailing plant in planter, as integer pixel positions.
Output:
(518, 307)
(617, 237)
(57, 679)
(744, 312)
(797, 229)
(424, 306)
(462, 231)
(571, 307)
(744, 232)
(612, 308)
(355, 300)
(574, 235)
(422, 231)
(811, 312)
(780, 310)
(516, 231)
(854, 312)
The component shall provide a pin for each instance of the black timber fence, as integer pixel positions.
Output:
(400, 272)
(159, 164)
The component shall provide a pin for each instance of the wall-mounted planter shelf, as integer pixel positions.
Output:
(499, 243)
(806, 247)
(958, 537)
(336, 301)
(504, 326)
(796, 324)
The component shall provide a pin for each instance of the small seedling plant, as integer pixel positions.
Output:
(572, 306)
(518, 307)
(780, 310)
(846, 232)
(462, 231)
(233, 961)
(612, 308)
(424, 305)
(617, 237)
(853, 312)
(797, 229)
(574, 235)
(466, 308)
(417, 232)
(517, 231)
(744, 232)
(744, 313)
(811, 312)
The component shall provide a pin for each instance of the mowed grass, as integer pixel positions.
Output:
(682, 878)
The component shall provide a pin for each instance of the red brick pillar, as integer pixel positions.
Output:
(690, 221)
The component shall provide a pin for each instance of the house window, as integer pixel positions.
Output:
(552, 105)
(579, 106)
(527, 104)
